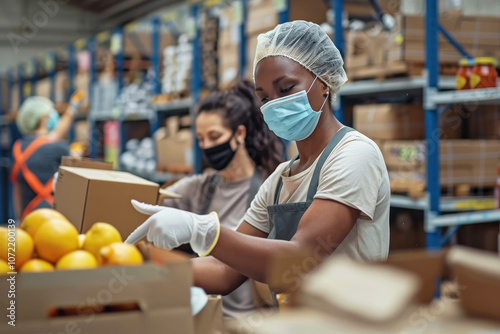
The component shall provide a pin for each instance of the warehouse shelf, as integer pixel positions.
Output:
(182, 104)
(368, 87)
(459, 219)
(484, 96)
(447, 204)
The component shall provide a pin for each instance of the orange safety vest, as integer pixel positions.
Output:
(43, 191)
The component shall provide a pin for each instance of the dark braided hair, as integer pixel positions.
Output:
(240, 106)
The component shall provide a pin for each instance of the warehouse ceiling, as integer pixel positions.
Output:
(29, 28)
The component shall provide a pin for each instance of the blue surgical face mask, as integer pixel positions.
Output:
(53, 120)
(292, 117)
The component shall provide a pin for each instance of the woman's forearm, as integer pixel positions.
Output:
(249, 255)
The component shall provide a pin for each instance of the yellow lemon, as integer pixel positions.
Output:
(100, 235)
(37, 265)
(78, 259)
(16, 244)
(81, 240)
(4, 267)
(54, 239)
(38, 217)
(119, 253)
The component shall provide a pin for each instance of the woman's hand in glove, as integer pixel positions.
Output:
(169, 228)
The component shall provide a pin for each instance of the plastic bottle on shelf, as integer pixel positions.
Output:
(464, 72)
(484, 74)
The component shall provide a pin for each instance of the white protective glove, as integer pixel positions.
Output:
(169, 228)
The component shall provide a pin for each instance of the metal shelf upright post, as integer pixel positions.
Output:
(433, 234)
(33, 76)
(196, 82)
(4, 163)
(71, 69)
(50, 62)
(118, 34)
(284, 15)
(94, 134)
(338, 6)
(155, 62)
(243, 39)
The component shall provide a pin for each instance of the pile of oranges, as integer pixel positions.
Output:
(46, 241)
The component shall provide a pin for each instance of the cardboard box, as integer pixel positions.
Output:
(478, 275)
(174, 147)
(160, 289)
(311, 10)
(261, 16)
(472, 162)
(478, 310)
(42, 88)
(484, 123)
(209, 320)
(85, 163)
(390, 121)
(86, 196)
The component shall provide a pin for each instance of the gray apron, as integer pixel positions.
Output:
(284, 218)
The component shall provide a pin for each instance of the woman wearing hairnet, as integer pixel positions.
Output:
(332, 198)
(38, 154)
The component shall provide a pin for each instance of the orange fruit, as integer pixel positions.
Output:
(54, 239)
(81, 240)
(100, 235)
(38, 217)
(119, 253)
(37, 265)
(17, 244)
(78, 259)
(4, 267)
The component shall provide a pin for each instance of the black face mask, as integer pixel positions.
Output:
(218, 157)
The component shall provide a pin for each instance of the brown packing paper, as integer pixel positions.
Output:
(86, 196)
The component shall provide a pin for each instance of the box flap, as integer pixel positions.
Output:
(85, 163)
(108, 176)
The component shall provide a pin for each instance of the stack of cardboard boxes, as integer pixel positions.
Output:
(262, 16)
(378, 53)
(480, 36)
(399, 131)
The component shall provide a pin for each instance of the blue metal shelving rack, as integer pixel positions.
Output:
(433, 205)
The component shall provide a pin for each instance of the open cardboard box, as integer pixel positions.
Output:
(477, 273)
(160, 289)
(150, 298)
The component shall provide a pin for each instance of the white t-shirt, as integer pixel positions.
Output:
(354, 174)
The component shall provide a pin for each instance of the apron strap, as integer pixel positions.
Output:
(313, 186)
(280, 181)
(252, 191)
(210, 193)
(255, 183)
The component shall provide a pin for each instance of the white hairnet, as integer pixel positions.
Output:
(307, 44)
(32, 109)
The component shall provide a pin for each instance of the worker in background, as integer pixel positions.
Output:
(38, 154)
(241, 153)
(333, 198)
